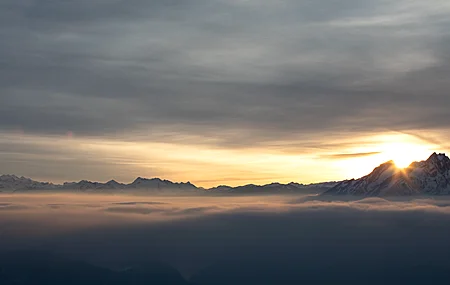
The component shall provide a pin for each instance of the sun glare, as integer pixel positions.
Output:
(403, 154)
(400, 148)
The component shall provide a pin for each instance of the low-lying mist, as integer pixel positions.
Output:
(236, 239)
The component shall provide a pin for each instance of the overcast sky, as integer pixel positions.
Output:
(218, 91)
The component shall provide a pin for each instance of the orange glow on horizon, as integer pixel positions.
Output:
(400, 148)
(98, 159)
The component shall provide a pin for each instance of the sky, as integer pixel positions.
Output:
(221, 92)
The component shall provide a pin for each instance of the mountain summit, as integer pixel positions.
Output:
(13, 182)
(431, 176)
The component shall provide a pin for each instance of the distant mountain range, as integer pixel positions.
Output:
(429, 177)
(274, 188)
(13, 183)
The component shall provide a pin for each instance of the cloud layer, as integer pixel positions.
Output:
(102, 68)
(204, 234)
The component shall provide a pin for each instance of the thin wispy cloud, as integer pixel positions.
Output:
(349, 155)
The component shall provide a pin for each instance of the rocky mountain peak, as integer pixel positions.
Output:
(438, 163)
(431, 176)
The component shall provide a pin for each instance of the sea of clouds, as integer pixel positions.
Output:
(195, 234)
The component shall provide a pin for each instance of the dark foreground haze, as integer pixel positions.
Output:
(117, 239)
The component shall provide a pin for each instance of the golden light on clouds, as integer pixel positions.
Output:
(403, 154)
(77, 158)
(403, 149)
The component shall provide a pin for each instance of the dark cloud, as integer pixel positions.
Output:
(350, 155)
(256, 71)
(196, 210)
(139, 203)
(142, 211)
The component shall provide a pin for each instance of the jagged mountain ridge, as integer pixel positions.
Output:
(13, 183)
(428, 177)
(273, 188)
(431, 177)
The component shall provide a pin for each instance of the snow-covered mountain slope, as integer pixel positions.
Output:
(159, 184)
(429, 177)
(88, 185)
(11, 183)
(154, 184)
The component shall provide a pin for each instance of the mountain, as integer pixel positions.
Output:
(88, 185)
(159, 184)
(429, 177)
(13, 183)
(153, 184)
(273, 188)
(35, 267)
(112, 184)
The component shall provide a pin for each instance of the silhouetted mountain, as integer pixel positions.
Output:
(430, 177)
(273, 188)
(159, 184)
(12, 183)
(43, 268)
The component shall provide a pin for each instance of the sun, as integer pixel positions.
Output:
(402, 162)
(371, 151)
(404, 153)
